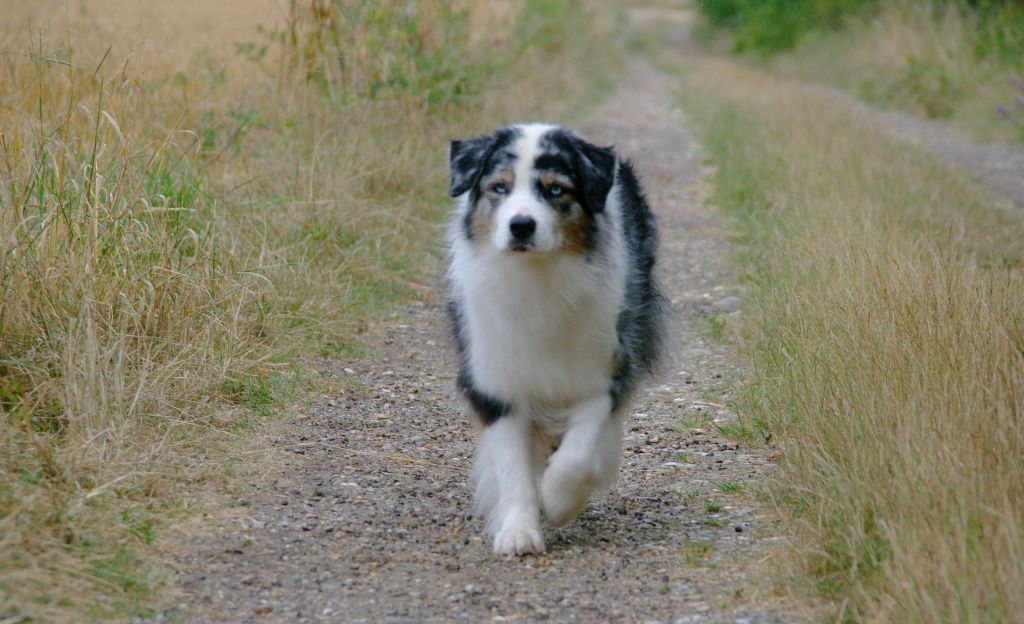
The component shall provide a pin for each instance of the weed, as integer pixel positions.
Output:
(342, 349)
(713, 508)
(716, 326)
(694, 421)
(126, 571)
(729, 487)
(743, 429)
(694, 553)
(260, 394)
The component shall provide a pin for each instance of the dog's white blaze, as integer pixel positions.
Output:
(523, 199)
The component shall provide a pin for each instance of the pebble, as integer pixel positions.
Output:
(728, 304)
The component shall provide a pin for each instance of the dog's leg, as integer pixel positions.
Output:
(506, 489)
(587, 459)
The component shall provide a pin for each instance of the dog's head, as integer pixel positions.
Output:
(531, 189)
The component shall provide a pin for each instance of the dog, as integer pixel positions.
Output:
(556, 317)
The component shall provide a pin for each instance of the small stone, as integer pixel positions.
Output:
(728, 304)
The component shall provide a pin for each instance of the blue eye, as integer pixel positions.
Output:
(500, 188)
(555, 190)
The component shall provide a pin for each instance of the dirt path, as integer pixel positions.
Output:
(1000, 167)
(369, 518)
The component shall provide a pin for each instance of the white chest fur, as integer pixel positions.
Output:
(540, 329)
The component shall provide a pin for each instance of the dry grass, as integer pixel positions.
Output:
(887, 333)
(179, 220)
(916, 55)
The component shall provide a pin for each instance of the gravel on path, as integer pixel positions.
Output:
(368, 515)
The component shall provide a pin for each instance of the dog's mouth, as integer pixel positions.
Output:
(522, 247)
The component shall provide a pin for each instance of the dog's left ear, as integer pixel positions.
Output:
(466, 161)
(595, 167)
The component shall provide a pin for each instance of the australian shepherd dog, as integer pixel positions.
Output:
(556, 317)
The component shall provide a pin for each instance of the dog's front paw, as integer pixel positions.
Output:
(564, 493)
(518, 541)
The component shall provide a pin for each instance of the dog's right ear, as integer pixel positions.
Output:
(466, 162)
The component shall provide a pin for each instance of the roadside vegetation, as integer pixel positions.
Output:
(961, 60)
(175, 229)
(885, 331)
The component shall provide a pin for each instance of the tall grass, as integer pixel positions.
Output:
(887, 350)
(941, 59)
(172, 234)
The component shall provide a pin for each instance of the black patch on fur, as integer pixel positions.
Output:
(558, 163)
(486, 407)
(470, 160)
(591, 168)
(641, 322)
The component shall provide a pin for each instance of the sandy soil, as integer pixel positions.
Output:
(367, 517)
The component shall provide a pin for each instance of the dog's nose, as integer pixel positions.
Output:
(522, 227)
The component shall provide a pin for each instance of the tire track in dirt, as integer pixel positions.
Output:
(998, 167)
(367, 517)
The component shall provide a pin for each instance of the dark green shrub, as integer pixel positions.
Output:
(769, 26)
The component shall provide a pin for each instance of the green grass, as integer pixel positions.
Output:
(768, 26)
(729, 487)
(716, 324)
(261, 395)
(885, 340)
(694, 553)
(749, 428)
(692, 422)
